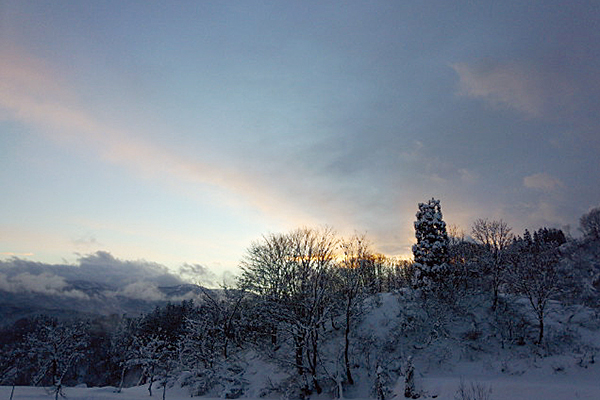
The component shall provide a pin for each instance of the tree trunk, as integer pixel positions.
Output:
(316, 385)
(151, 382)
(274, 336)
(315, 356)
(299, 355)
(122, 379)
(541, 321)
(347, 344)
(495, 302)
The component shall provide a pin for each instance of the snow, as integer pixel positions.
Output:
(564, 370)
(539, 384)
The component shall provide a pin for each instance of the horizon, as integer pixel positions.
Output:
(181, 133)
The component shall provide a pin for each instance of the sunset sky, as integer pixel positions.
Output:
(179, 132)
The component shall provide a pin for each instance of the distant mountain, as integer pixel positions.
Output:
(85, 298)
(98, 284)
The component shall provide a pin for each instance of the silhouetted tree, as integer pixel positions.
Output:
(356, 260)
(495, 237)
(290, 274)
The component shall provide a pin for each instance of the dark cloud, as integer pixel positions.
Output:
(137, 279)
(105, 268)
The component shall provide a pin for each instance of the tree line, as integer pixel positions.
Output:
(295, 291)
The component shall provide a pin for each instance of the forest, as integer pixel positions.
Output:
(301, 303)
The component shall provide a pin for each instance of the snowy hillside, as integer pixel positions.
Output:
(459, 350)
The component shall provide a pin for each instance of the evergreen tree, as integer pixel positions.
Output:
(431, 250)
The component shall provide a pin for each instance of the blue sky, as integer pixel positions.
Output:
(179, 132)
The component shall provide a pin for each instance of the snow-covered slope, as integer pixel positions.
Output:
(466, 345)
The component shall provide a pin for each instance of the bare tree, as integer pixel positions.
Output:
(290, 274)
(314, 256)
(355, 261)
(534, 274)
(266, 269)
(495, 237)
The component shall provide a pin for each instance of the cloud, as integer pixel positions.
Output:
(142, 291)
(32, 93)
(140, 279)
(542, 182)
(298, 194)
(104, 268)
(100, 267)
(198, 274)
(522, 87)
(44, 283)
(86, 241)
(544, 213)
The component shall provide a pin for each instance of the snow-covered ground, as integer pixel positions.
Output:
(465, 350)
(583, 383)
(542, 383)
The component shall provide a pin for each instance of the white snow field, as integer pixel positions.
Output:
(532, 385)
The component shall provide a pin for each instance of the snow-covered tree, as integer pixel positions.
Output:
(154, 355)
(431, 250)
(266, 271)
(54, 349)
(590, 224)
(123, 347)
(290, 275)
(223, 314)
(12, 362)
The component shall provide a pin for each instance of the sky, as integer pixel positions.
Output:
(181, 132)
